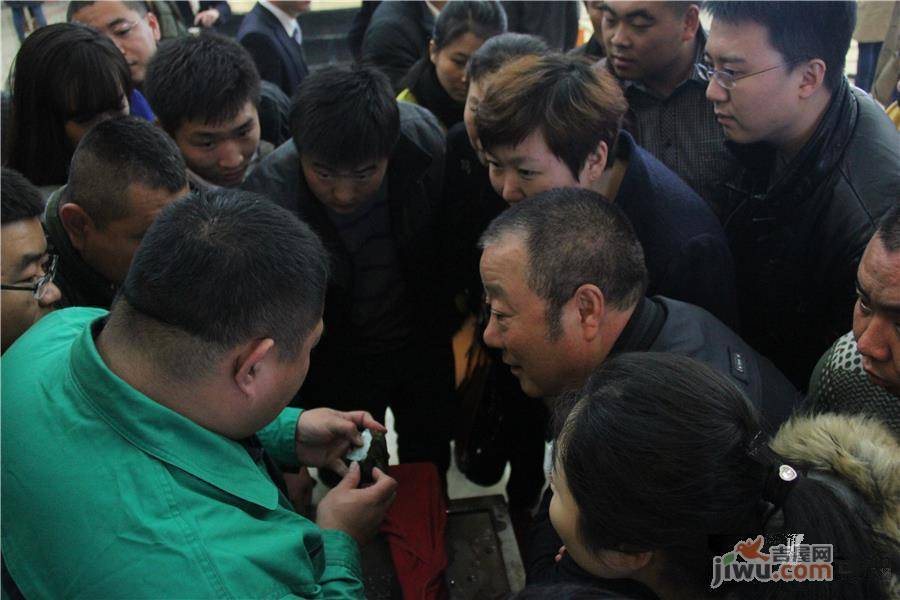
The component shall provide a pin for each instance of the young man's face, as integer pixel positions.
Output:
(341, 188)
(760, 107)
(134, 34)
(221, 153)
(642, 39)
(876, 317)
(109, 249)
(518, 323)
(518, 172)
(22, 260)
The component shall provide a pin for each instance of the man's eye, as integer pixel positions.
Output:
(527, 173)
(323, 175)
(863, 307)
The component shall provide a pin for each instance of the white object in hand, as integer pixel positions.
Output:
(362, 452)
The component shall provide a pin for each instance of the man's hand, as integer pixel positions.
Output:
(324, 435)
(357, 512)
(207, 18)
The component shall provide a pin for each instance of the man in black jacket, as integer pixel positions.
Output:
(564, 277)
(271, 33)
(821, 163)
(364, 171)
(397, 36)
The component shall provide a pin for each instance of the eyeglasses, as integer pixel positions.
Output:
(727, 80)
(40, 287)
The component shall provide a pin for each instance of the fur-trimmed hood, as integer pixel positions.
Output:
(859, 450)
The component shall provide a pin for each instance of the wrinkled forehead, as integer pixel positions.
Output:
(106, 13)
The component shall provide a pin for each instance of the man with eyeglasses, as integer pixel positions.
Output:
(133, 29)
(26, 270)
(820, 163)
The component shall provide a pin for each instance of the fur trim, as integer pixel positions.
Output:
(857, 449)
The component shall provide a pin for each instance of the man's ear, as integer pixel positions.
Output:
(248, 366)
(625, 563)
(812, 77)
(690, 23)
(77, 223)
(595, 165)
(153, 24)
(591, 307)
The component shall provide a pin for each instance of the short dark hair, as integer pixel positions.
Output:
(574, 236)
(345, 116)
(501, 49)
(223, 267)
(76, 5)
(573, 105)
(482, 18)
(889, 228)
(62, 72)
(19, 199)
(115, 154)
(207, 78)
(655, 454)
(799, 30)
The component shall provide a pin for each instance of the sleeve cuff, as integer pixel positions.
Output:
(278, 437)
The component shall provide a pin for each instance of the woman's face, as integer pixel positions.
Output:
(76, 127)
(564, 512)
(450, 63)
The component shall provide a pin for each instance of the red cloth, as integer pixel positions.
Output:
(415, 527)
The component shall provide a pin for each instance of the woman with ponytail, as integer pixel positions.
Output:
(660, 467)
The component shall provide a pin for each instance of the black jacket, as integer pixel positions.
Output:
(661, 324)
(797, 238)
(418, 222)
(397, 37)
(278, 57)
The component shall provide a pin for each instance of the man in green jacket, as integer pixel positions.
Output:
(131, 461)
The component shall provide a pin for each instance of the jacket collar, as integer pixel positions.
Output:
(642, 328)
(163, 433)
(815, 161)
(81, 284)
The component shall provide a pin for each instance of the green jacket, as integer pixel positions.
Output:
(108, 494)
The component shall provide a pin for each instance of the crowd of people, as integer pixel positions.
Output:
(672, 253)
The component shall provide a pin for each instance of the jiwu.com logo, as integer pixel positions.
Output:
(794, 561)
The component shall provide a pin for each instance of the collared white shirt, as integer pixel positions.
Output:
(290, 24)
(434, 9)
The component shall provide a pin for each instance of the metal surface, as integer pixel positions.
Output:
(484, 560)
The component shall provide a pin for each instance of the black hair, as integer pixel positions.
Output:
(798, 30)
(574, 236)
(501, 49)
(76, 5)
(654, 450)
(19, 199)
(115, 154)
(482, 18)
(221, 268)
(345, 116)
(889, 228)
(207, 78)
(62, 72)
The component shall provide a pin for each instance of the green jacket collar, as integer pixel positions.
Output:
(163, 433)
(80, 284)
